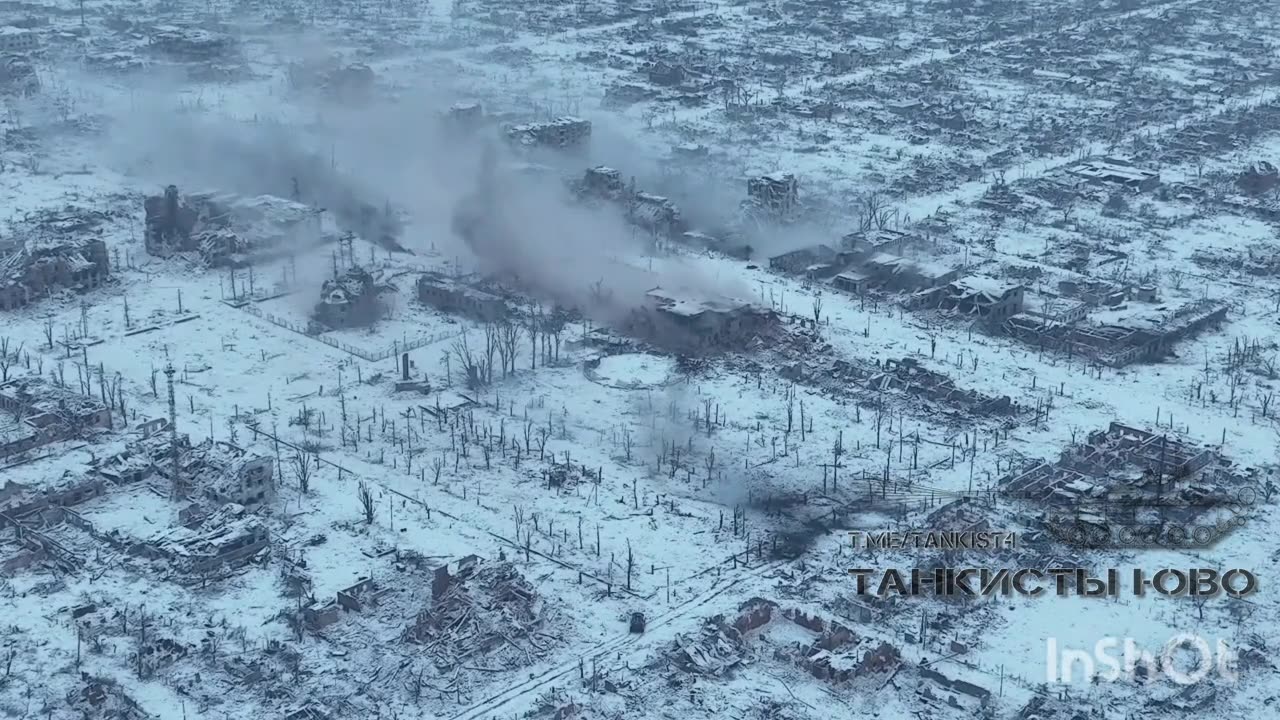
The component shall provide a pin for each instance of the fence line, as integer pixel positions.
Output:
(395, 348)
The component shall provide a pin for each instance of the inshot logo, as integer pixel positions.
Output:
(1186, 659)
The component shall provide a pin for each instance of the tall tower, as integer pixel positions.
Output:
(175, 479)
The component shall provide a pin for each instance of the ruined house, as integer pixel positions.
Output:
(227, 229)
(777, 193)
(561, 133)
(656, 213)
(690, 322)
(666, 74)
(1123, 336)
(349, 300)
(36, 268)
(1258, 178)
(1115, 172)
(984, 297)
(43, 412)
(18, 76)
(814, 261)
(227, 536)
(457, 295)
(894, 272)
(18, 501)
(603, 182)
(191, 44)
(224, 474)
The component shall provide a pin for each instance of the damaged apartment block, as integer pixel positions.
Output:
(52, 251)
(228, 230)
(563, 133)
(776, 194)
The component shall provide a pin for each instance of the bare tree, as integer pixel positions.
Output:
(366, 501)
(7, 358)
(471, 368)
(509, 339)
(491, 344)
(817, 308)
(303, 467)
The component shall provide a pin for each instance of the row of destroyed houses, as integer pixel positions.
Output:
(832, 651)
(221, 487)
(1134, 327)
(677, 319)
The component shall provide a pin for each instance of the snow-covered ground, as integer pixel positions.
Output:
(623, 480)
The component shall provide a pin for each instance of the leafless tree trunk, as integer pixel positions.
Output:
(7, 358)
(366, 501)
(303, 467)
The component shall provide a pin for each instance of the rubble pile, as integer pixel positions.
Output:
(494, 613)
(715, 651)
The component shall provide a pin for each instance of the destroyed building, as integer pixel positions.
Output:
(776, 194)
(191, 44)
(1116, 173)
(1125, 476)
(101, 697)
(222, 473)
(602, 182)
(908, 375)
(561, 133)
(460, 296)
(814, 261)
(894, 272)
(17, 40)
(227, 536)
(1120, 337)
(466, 116)
(687, 321)
(656, 214)
(349, 300)
(18, 76)
(979, 296)
(43, 412)
(227, 229)
(37, 267)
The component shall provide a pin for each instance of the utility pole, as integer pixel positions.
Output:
(176, 480)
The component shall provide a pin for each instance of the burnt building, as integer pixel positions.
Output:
(228, 229)
(349, 300)
(561, 133)
(458, 296)
(656, 214)
(776, 193)
(689, 322)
